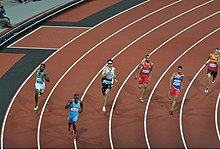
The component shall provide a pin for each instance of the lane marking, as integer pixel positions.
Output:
(35, 48)
(216, 117)
(13, 99)
(184, 97)
(72, 27)
(24, 37)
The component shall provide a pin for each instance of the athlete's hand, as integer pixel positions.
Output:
(136, 77)
(116, 80)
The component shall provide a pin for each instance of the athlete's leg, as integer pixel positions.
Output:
(208, 80)
(214, 75)
(74, 130)
(36, 99)
(105, 99)
(173, 104)
(143, 91)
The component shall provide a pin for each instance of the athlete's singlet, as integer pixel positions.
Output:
(177, 80)
(146, 69)
(39, 77)
(213, 66)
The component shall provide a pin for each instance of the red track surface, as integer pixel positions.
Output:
(128, 115)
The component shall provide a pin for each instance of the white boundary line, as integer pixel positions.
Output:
(35, 48)
(13, 99)
(72, 27)
(111, 112)
(24, 36)
(184, 97)
(216, 117)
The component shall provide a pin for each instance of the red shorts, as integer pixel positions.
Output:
(143, 79)
(174, 91)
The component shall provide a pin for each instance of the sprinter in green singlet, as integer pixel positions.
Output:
(41, 76)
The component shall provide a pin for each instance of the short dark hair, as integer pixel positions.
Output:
(180, 67)
(110, 60)
(43, 64)
(76, 96)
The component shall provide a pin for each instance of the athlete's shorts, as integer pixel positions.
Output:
(143, 79)
(73, 119)
(105, 87)
(213, 73)
(174, 91)
(40, 87)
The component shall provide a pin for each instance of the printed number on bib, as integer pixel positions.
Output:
(145, 71)
(74, 109)
(213, 65)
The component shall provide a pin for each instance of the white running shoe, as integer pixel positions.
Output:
(213, 81)
(206, 90)
(103, 109)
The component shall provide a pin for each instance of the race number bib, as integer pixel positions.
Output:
(213, 65)
(145, 71)
(74, 109)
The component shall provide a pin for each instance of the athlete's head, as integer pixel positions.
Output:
(216, 50)
(76, 96)
(147, 57)
(110, 62)
(179, 68)
(42, 67)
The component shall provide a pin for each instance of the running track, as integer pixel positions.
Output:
(173, 32)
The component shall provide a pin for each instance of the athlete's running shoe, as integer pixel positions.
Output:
(206, 90)
(171, 112)
(35, 107)
(103, 109)
(68, 129)
(213, 81)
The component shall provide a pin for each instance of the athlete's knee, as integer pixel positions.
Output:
(209, 75)
(145, 87)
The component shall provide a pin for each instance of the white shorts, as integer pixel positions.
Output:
(40, 87)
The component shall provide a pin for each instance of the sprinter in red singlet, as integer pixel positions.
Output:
(144, 73)
(212, 63)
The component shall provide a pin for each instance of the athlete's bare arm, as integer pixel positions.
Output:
(115, 76)
(171, 81)
(68, 104)
(81, 107)
(46, 77)
(139, 69)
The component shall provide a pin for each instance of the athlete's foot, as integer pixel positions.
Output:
(213, 81)
(35, 107)
(141, 100)
(206, 90)
(68, 129)
(103, 109)
(74, 136)
(171, 112)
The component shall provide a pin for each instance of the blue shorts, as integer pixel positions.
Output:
(73, 118)
(105, 87)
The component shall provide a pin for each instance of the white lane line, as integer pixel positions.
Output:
(13, 99)
(216, 117)
(24, 36)
(36, 48)
(184, 97)
(72, 27)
